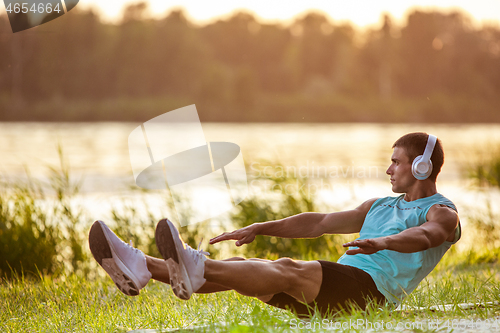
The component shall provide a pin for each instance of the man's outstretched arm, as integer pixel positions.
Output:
(440, 225)
(304, 225)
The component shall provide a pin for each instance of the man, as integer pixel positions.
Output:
(401, 240)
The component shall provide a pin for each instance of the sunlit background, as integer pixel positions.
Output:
(382, 61)
(302, 84)
(362, 13)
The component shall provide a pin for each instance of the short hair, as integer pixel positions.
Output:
(414, 145)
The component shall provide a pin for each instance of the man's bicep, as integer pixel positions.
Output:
(346, 222)
(441, 223)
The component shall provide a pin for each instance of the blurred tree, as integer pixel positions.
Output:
(131, 52)
(489, 62)
(179, 55)
(378, 60)
(437, 51)
(227, 66)
(315, 56)
(244, 89)
(233, 41)
(343, 57)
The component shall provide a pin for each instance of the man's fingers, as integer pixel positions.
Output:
(358, 243)
(215, 239)
(223, 237)
(354, 251)
(245, 240)
(364, 246)
(240, 242)
(355, 243)
(241, 236)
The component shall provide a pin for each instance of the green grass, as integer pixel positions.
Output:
(79, 300)
(484, 168)
(76, 304)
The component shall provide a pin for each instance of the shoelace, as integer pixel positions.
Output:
(197, 254)
(132, 246)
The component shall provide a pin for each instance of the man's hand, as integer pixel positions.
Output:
(441, 226)
(367, 246)
(242, 236)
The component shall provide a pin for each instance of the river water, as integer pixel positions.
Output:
(347, 160)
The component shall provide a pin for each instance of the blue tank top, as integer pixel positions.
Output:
(398, 274)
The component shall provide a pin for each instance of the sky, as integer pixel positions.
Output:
(362, 13)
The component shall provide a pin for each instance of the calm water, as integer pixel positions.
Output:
(351, 159)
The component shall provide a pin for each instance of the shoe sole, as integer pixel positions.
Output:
(105, 255)
(165, 236)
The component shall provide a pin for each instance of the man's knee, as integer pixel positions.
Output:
(234, 259)
(290, 269)
(297, 268)
(287, 263)
(249, 259)
(300, 279)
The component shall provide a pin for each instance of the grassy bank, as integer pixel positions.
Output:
(77, 304)
(76, 299)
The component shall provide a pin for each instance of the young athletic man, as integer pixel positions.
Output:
(401, 240)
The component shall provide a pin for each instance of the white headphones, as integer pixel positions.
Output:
(422, 165)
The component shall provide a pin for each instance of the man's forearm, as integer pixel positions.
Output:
(305, 225)
(442, 222)
(297, 226)
(408, 241)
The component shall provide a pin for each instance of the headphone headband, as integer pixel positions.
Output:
(422, 165)
(429, 148)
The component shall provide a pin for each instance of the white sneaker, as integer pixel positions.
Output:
(125, 264)
(186, 266)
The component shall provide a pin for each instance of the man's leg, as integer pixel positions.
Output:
(300, 279)
(189, 270)
(131, 269)
(160, 273)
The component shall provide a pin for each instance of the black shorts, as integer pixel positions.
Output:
(342, 287)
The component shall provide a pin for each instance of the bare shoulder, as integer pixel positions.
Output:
(364, 208)
(444, 218)
(442, 212)
(345, 222)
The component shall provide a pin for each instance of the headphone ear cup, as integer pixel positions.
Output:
(420, 169)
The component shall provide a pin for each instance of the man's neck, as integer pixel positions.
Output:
(422, 189)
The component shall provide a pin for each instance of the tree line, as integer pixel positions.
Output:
(436, 67)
